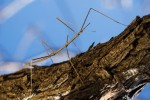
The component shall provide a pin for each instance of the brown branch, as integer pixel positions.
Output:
(114, 70)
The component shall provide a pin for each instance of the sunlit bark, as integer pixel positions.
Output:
(116, 70)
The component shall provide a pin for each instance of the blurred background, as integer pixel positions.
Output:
(29, 28)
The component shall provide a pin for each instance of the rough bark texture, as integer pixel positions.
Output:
(113, 70)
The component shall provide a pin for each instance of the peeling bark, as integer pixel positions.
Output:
(114, 70)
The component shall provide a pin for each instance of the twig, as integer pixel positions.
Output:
(72, 63)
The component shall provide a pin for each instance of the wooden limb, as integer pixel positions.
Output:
(115, 70)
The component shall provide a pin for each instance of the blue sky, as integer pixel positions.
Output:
(23, 23)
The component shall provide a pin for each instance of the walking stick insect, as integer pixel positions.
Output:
(83, 27)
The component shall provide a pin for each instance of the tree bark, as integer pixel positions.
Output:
(115, 70)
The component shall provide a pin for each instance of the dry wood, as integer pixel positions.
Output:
(113, 70)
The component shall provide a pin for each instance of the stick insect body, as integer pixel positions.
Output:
(83, 27)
